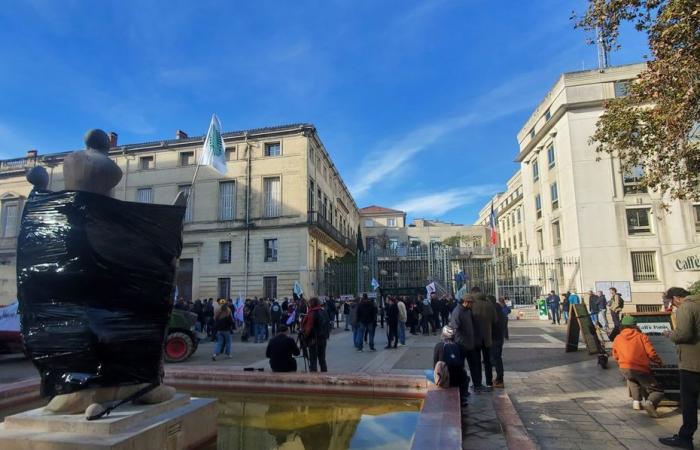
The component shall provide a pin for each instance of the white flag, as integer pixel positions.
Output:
(297, 289)
(430, 288)
(214, 149)
(375, 284)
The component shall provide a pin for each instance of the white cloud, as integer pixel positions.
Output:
(433, 205)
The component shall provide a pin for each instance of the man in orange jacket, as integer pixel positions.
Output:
(634, 354)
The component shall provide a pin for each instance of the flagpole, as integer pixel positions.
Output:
(495, 273)
(196, 170)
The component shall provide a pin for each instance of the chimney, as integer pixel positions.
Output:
(113, 139)
(179, 134)
(32, 153)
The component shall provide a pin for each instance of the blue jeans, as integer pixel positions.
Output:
(223, 343)
(371, 328)
(347, 321)
(565, 314)
(402, 332)
(555, 315)
(357, 335)
(260, 331)
(594, 318)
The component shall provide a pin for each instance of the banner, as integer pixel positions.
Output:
(214, 149)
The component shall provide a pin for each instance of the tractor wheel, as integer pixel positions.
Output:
(178, 347)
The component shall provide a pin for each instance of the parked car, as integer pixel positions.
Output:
(182, 338)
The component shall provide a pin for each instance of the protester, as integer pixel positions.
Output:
(261, 316)
(634, 354)
(426, 316)
(367, 322)
(686, 336)
(392, 323)
(553, 306)
(593, 303)
(435, 307)
(565, 306)
(602, 310)
(316, 329)
(281, 350)
(573, 298)
(503, 302)
(616, 305)
(223, 324)
(403, 317)
(412, 317)
(499, 332)
(346, 314)
(462, 322)
(450, 353)
(275, 315)
(485, 319)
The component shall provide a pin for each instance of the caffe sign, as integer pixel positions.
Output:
(685, 260)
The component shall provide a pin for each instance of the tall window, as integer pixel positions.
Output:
(550, 156)
(146, 162)
(273, 149)
(538, 206)
(644, 266)
(391, 222)
(227, 200)
(230, 153)
(10, 219)
(272, 191)
(517, 213)
(270, 250)
(270, 287)
(144, 195)
(189, 213)
(638, 221)
(225, 252)
(186, 158)
(520, 239)
(547, 115)
(311, 195)
(696, 209)
(224, 288)
(631, 181)
(540, 239)
(535, 171)
(554, 193)
(556, 234)
(393, 243)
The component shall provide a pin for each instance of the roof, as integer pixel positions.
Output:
(374, 209)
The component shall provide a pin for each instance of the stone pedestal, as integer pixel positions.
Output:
(180, 423)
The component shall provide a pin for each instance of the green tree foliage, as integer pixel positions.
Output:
(656, 124)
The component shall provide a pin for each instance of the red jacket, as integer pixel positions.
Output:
(307, 325)
(633, 350)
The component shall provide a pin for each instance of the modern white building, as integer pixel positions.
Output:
(576, 202)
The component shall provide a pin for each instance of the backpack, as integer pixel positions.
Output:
(441, 375)
(451, 355)
(622, 301)
(323, 325)
(275, 307)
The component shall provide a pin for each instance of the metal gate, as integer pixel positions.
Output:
(407, 270)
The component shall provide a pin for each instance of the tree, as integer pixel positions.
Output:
(656, 125)
(453, 241)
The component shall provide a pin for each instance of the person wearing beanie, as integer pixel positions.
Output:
(686, 336)
(450, 353)
(634, 354)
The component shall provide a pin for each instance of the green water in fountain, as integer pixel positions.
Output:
(313, 422)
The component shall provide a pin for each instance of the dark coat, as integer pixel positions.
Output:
(463, 323)
(593, 304)
(484, 319)
(392, 315)
(367, 313)
(281, 350)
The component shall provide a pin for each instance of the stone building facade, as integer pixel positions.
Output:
(278, 214)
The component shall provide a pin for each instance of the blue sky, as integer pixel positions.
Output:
(418, 102)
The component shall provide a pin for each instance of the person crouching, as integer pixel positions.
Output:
(449, 352)
(634, 354)
(281, 350)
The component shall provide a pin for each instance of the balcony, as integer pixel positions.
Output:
(17, 164)
(471, 252)
(315, 219)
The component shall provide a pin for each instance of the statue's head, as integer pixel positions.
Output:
(98, 140)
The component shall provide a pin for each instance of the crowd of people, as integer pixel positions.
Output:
(558, 307)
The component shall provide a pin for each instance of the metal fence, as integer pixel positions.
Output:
(406, 271)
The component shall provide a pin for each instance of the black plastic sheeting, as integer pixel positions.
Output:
(95, 280)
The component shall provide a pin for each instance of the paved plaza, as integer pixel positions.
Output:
(564, 400)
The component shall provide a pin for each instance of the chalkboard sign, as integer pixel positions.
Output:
(654, 323)
(580, 323)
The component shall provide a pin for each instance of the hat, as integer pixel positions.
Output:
(448, 332)
(628, 321)
(221, 301)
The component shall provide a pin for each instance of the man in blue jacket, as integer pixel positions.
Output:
(553, 305)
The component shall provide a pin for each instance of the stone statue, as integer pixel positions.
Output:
(91, 170)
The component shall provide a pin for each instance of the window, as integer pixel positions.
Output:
(540, 239)
(631, 181)
(144, 195)
(311, 195)
(270, 250)
(517, 213)
(370, 242)
(622, 88)
(554, 193)
(146, 162)
(225, 252)
(227, 200)
(224, 288)
(538, 206)
(270, 287)
(520, 239)
(696, 209)
(550, 156)
(312, 158)
(272, 195)
(532, 133)
(547, 115)
(644, 266)
(535, 171)
(556, 234)
(369, 223)
(186, 158)
(273, 149)
(10, 219)
(638, 221)
(393, 243)
(187, 189)
(391, 222)
(230, 154)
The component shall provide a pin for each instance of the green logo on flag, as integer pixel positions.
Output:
(215, 142)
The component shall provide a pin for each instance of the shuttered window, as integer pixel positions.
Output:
(644, 266)
(144, 195)
(272, 192)
(227, 191)
(10, 217)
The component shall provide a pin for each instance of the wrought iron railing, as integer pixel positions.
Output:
(317, 220)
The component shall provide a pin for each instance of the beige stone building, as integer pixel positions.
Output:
(575, 206)
(279, 213)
